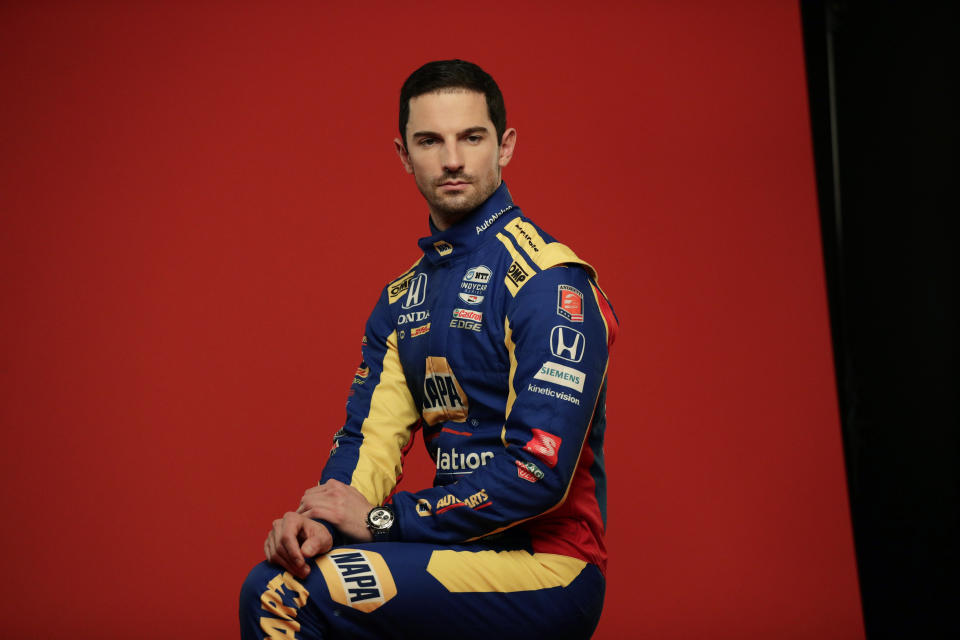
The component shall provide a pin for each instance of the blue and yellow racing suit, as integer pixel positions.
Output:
(495, 345)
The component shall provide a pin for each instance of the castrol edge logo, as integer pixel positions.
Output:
(443, 397)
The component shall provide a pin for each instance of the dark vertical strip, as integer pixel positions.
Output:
(882, 93)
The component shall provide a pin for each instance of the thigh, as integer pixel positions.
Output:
(401, 590)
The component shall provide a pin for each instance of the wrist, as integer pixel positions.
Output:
(381, 522)
(335, 533)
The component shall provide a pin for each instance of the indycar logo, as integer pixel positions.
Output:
(569, 303)
(567, 343)
(443, 398)
(416, 291)
(474, 284)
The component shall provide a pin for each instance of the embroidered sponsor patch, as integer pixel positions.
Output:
(412, 316)
(357, 578)
(361, 374)
(516, 273)
(569, 303)
(474, 284)
(529, 471)
(398, 288)
(423, 508)
(468, 314)
(419, 331)
(567, 343)
(562, 375)
(459, 463)
(443, 247)
(466, 319)
(545, 446)
(443, 398)
(416, 291)
(552, 393)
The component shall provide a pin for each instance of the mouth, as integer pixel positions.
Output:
(453, 185)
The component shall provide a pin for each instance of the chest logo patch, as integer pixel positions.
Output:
(443, 398)
(474, 284)
(416, 291)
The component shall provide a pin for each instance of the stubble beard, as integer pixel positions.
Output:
(454, 207)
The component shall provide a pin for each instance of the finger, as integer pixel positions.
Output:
(319, 513)
(290, 545)
(318, 540)
(277, 554)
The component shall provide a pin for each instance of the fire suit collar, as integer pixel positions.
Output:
(467, 234)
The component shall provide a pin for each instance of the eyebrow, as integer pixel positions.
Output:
(466, 132)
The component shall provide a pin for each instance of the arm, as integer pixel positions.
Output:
(548, 412)
(382, 416)
(366, 460)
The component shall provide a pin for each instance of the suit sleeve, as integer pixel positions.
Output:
(381, 415)
(557, 371)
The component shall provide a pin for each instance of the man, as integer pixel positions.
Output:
(495, 344)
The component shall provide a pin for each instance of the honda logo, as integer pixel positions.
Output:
(567, 343)
(416, 291)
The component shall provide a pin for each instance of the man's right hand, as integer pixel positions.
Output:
(294, 539)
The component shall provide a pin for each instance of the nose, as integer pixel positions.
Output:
(452, 158)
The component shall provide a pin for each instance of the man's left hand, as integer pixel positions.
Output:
(341, 505)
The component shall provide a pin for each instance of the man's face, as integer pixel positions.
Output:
(452, 152)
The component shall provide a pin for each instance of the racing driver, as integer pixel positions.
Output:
(494, 344)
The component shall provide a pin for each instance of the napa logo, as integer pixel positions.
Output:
(443, 398)
(357, 578)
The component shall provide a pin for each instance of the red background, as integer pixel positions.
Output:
(200, 203)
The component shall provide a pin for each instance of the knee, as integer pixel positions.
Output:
(256, 584)
(274, 604)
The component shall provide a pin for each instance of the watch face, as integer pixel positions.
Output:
(381, 518)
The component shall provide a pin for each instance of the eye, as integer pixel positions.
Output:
(427, 142)
(474, 138)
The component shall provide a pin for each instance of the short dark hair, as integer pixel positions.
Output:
(453, 74)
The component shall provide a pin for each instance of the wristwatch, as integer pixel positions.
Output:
(379, 521)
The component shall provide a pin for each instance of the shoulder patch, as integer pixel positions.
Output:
(544, 254)
(519, 271)
(398, 288)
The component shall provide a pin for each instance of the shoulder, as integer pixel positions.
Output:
(399, 286)
(533, 251)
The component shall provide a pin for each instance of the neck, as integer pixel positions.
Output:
(443, 220)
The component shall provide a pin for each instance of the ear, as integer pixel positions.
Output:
(403, 154)
(507, 145)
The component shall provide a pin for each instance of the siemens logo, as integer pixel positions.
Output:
(562, 375)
